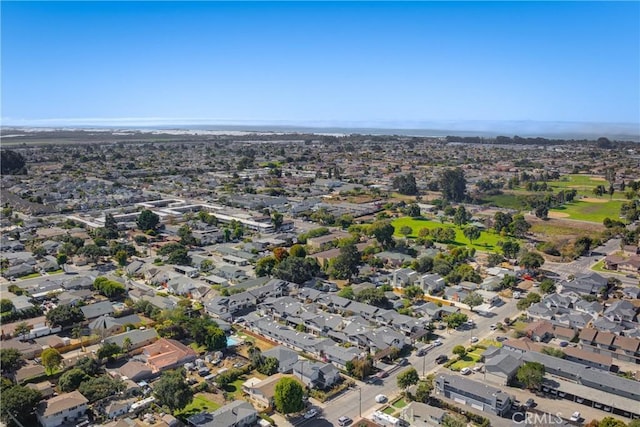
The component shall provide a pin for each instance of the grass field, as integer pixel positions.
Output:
(199, 404)
(487, 241)
(468, 361)
(591, 211)
(504, 200)
(584, 184)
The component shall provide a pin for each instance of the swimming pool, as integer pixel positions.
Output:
(232, 342)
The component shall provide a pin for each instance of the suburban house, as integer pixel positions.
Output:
(261, 392)
(316, 374)
(473, 393)
(235, 414)
(502, 368)
(167, 354)
(61, 409)
(420, 414)
(93, 311)
(286, 358)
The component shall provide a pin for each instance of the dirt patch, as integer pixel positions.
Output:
(558, 215)
(597, 178)
(593, 200)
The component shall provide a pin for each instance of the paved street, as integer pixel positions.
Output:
(349, 403)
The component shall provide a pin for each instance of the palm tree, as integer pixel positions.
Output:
(76, 333)
(126, 345)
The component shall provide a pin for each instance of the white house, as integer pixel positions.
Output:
(61, 409)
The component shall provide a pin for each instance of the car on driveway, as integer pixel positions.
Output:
(310, 413)
(381, 398)
(344, 421)
(575, 416)
(465, 371)
(501, 338)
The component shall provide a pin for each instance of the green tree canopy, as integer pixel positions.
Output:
(72, 379)
(172, 391)
(453, 185)
(109, 350)
(51, 359)
(345, 265)
(296, 270)
(454, 320)
(531, 260)
(147, 220)
(531, 375)
(407, 378)
(383, 233)
(20, 402)
(10, 359)
(100, 387)
(288, 396)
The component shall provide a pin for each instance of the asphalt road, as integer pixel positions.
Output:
(361, 399)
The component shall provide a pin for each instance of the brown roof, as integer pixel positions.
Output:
(627, 343)
(605, 338)
(523, 344)
(564, 332)
(540, 328)
(588, 334)
(28, 371)
(60, 403)
(578, 353)
(165, 353)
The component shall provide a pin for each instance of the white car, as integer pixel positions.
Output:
(575, 416)
(474, 339)
(465, 371)
(437, 342)
(310, 413)
(493, 326)
(381, 398)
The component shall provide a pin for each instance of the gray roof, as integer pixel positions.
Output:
(98, 309)
(474, 387)
(505, 363)
(226, 416)
(136, 336)
(281, 353)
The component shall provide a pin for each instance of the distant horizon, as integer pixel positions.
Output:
(371, 64)
(436, 128)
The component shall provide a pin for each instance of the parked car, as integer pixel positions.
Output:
(343, 421)
(437, 342)
(381, 398)
(563, 343)
(530, 403)
(441, 359)
(310, 413)
(493, 326)
(465, 371)
(403, 362)
(575, 416)
(474, 339)
(501, 338)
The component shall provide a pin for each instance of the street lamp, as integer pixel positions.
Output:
(360, 393)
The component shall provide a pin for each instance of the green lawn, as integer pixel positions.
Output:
(505, 200)
(487, 241)
(31, 276)
(469, 360)
(584, 184)
(486, 343)
(400, 403)
(199, 404)
(590, 211)
(235, 388)
(390, 410)
(599, 266)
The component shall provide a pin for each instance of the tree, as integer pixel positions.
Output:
(423, 391)
(405, 230)
(186, 237)
(383, 233)
(6, 305)
(453, 185)
(19, 402)
(10, 359)
(510, 249)
(345, 265)
(413, 210)
(147, 220)
(288, 396)
(216, 339)
(519, 226)
(531, 260)
(474, 299)
(100, 387)
(454, 320)
(298, 251)
(296, 270)
(346, 292)
(407, 378)
(461, 216)
(450, 420)
(72, 379)
(531, 375)
(548, 286)
(92, 252)
(22, 330)
(277, 219)
(611, 422)
(172, 391)
(88, 365)
(542, 211)
(51, 360)
(494, 259)
(413, 292)
(459, 350)
(109, 350)
(12, 163)
(472, 233)
(264, 266)
(405, 184)
(501, 221)
(360, 368)
(109, 288)
(423, 264)
(111, 226)
(269, 366)
(373, 297)
(179, 257)
(126, 344)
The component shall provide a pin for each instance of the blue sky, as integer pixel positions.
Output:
(370, 63)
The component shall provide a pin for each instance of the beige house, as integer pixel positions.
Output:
(62, 409)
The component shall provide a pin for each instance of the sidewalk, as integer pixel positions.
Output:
(280, 420)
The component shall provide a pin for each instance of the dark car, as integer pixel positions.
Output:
(403, 362)
(441, 359)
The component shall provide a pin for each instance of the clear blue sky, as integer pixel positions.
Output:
(330, 62)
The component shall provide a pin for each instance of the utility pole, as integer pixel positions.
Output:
(424, 365)
(360, 393)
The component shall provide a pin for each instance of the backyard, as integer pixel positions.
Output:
(199, 404)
